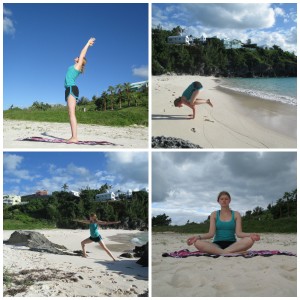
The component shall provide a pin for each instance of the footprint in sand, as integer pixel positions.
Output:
(193, 129)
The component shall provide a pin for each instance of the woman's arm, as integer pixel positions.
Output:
(205, 236)
(82, 221)
(83, 52)
(107, 223)
(239, 231)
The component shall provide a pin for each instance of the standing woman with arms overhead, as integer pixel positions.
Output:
(72, 91)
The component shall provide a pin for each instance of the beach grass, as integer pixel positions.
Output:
(119, 117)
(13, 224)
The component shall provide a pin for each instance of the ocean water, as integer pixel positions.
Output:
(140, 239)
(275, 89)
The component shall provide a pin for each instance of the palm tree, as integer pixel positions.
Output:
(104, 98)
(127, 87)
(111, 89)
(120, 88)
(65, 187)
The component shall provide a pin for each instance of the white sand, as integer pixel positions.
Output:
(235, 121)
(274, 276)
(125, 137)
(100, 276)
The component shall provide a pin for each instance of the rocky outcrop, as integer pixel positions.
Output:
(171, 142)
(36, 242)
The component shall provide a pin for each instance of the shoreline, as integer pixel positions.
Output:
(135, 137)
(96, 275)
(236, 120)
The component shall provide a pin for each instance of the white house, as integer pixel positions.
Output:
(139, 86)
(145, 189)
(232, 44)
(74, 193)
(179, 39)
(202, 39)
(11, 199)
(105, 197)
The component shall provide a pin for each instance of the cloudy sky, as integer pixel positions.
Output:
(27, 172)
(263, 23)
(185, 185)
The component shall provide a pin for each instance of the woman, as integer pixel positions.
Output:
(94, 234)
(72, 91)
(225, 225)
(189, 97)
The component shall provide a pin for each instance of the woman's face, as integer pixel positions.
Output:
(224, 201)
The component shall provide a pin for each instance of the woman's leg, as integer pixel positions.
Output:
(103, 246)
(73, 120)
(86, 241)
(208, 247)
(240, 246)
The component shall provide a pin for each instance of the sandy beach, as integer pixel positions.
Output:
(235, 121)
(75, 276)
(123, 137)
(274, 276)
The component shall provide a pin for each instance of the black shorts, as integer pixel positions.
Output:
(224, 244)
(96, 239)
(73, 90)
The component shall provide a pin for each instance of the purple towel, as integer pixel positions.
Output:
(248, 254)
(45, 140)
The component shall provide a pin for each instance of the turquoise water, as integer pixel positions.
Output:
(140, 239)
(275, 89)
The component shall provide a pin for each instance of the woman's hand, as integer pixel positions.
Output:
(190, 241)
(91, 41)
(255, 237)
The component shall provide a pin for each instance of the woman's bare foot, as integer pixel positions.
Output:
(72, 140)
(209, 103)
(84, 255)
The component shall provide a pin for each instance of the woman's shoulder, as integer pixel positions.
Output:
(236, 213)
(214, 213)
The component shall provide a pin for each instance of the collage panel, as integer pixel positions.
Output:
(224, 75)
(84, 83)
(75, 224)
(224, 224)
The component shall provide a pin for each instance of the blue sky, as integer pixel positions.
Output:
(42, 40)
(185, 185)
(27, 172)
(263, 23)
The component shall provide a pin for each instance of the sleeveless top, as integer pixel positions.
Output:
(190, 90)
(225, 230)
(71, 76)
(94, 230)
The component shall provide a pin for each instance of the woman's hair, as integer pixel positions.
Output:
(83, 65)
(197, 85)
(93, 215)
(176, 101)
(223, 193)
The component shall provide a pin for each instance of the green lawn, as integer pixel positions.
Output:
(123, 117)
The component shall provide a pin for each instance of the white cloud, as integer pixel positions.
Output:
(230, 20)
(8, 23)
(141, 71)
(12, 161)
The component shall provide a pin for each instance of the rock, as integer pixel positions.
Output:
(36, 242)
(127, 255)
(171, 142)
(144, 258)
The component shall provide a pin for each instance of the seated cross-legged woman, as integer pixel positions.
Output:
(225, 225)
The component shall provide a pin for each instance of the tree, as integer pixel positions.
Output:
(111, 89)
(120, 88)
(127, 87)
(65, 187)
(161, 220)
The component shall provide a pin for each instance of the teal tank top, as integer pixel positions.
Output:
(190, 90)
(94, 230)
(71, 76)
(225, 230)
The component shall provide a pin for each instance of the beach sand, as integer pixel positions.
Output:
(124, 137)
(235, 121)
(95, 276)
(274, 276)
